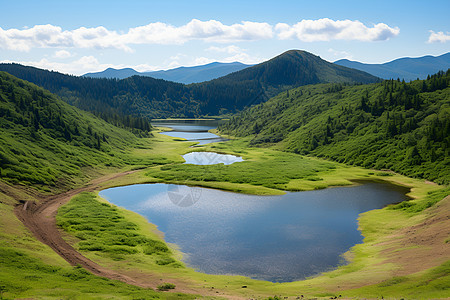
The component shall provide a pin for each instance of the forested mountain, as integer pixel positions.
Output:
(44, 141)
(404, 68)
(116, 101)
(259, 83)
(184, 75)
(156, 98)
(393, 125)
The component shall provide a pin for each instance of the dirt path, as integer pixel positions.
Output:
(40, 219)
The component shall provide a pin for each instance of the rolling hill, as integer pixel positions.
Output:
(46, 142)
(404, 127)
(403, 68)
(155, 98)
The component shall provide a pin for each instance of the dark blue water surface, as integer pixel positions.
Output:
(275, 238)
(191, 130)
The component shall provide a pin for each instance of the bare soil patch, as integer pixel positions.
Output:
(421, 246)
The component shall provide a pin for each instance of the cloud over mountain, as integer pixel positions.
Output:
(327, 30)
(438, 37)
(48, 36)
(213, 31)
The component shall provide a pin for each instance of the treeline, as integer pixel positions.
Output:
(147, 97)
(43, 140)
(105, 98)
(393, 125)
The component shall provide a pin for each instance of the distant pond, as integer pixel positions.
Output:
(191, 130)
(275, 238)
(210, 158)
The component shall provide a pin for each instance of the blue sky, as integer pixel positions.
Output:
(84, 36)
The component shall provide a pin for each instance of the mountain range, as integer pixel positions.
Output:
(404, 68)
(156, 98)
(184, 75)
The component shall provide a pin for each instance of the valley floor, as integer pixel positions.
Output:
(405, 254)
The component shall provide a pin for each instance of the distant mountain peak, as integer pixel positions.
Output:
(182, 74)
(407, 68)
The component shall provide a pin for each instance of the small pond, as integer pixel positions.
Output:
(276, 238)
(210, 158)
(191, 130)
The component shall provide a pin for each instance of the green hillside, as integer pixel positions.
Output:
(404, 127)
(44, 141)
(117, 100)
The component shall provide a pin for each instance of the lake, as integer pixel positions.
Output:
(191, 130)
(275, 238)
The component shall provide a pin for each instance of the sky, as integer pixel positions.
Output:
(77, 37)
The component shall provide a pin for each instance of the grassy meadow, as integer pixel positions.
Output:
(366, 268)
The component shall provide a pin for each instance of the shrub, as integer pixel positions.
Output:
(166, 286)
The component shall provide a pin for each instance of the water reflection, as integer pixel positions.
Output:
(276, 238)
(192, 130)
(210, 158)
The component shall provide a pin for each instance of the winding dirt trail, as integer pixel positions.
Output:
(40, 219)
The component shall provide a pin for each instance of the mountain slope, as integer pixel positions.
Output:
(403, 68)
(184, 75)
(393, 125)
(156, 98)
(44, 141)
(258, 83)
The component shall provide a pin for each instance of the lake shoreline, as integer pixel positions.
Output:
(349, 280)
(418, 189)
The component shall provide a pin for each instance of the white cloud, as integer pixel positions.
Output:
(438, 37)
(209, 31)
(62, 54)
(327, 29)
(80, 66)
(49, 36)
(340, 54)
(231, 49)
(85, 64)
(202, 61)
(236, 54)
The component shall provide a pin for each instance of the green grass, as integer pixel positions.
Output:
(430, 284)
(429, 200)
(264, 171)
(24, 276)
(101, 228)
